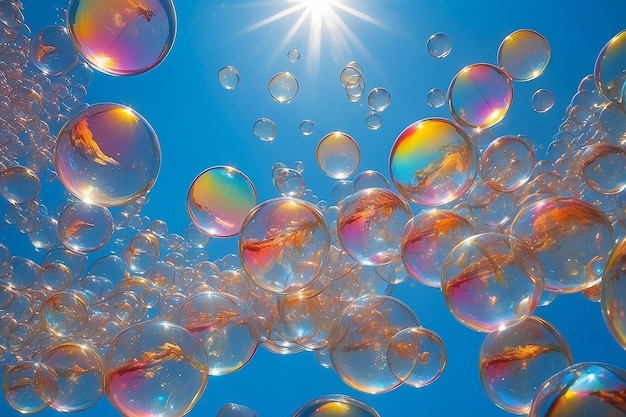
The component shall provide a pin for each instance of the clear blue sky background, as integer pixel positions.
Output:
(200, 125)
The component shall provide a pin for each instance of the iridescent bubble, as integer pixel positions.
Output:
(609, 68)
(515, 361)
(600, 167)
(79, 372)
(108, 155)
(264, 129)
(121, 37)
(416, 356)
(572, 239)
(580, 390)
(283, 87)
(166, 366)
(30, 387)
(433, 162)
(370, 224)
(370, 179)
(219, 199)
(436, 98)
(306, 127)
(64, 314)
(507, 163)
(85, 227)
(439, 45)
(426, 241)
(480, 95)
(335, 405)
(490, 281)
(338, 155)
(524, 55)
(52, 50)
(542, 100)
(293, 55)
(283, 244)
(19, 184)
(378, 99)
(613, 296)
(373, 120)
(289, 182)
(228, 77)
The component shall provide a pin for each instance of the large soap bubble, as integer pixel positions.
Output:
(30, 387)
(335, 405)
(108, 155)
(614, 293)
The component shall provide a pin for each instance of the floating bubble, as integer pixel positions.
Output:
(426, 241)
(26, 104)
(283, 87)
(600, 167)
(436, 98)
(373, 120)
(370, 224)
(613, 296)
(370, 179)
(416, 356)
(264, 129)
(52, 50)
(352, 80)
(228, 77)
(235, 410)
(335, 405)
(524, 55)
(142, 252)
(283, 244)
(289, 182)
(515, 361)
(306, 127)
(64, 314)
(480, 95)
(30, 387)
(293, 55)
(572, 239)
(338, 155)
(433, 162)
(54, 277)
(23, 273)
(166, 366)
(122, 37)
(580, 390)
(542, 100)
(85, 227)
(378, 99)
(218, 200)
(491, 280)
(19, 184)
(439, 45)
(507, 163)
(108, 155)
(609, 68)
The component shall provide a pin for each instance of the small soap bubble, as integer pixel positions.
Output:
(283, 87)
(338, 155)
(293, 55)
(19, 184)
(373, 120)
(542, 100)
(306, 127)
(85, 227)
(436, 98)
(378, 99)
(439, 45)
(235, 410)
(264, 129)
(30, 387)
(609, 68)
(228, 77)
(335, 405)
(52, 50)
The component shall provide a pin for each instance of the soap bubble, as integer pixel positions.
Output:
(439, 45)
(507, 163)
(542, 100)
(335, 405)
(609, 68)
(524, 55)
(228, 77)
(264, 129)
(613, 296)
(373, 120)
(64, 314)
(378, 99)
(52, 50)
(30, 387)
(19, 184)
(283, 87)
(306, 127)
(293, 55)
(338, 155)
(85, 227)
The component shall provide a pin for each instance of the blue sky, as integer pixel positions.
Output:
(200, 124)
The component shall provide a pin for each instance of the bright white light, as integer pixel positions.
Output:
(319, 7)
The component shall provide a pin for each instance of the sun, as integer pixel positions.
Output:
(319, 7)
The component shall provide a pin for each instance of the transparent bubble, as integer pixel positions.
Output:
(54, 276)
(228, 77)
(85, 227)
(338, 155)
(359, 339)
(507, 163)
(600, 167)
(491, 280)
(370, 179)
(264, 129)
(609, 68)
(572, 239)
(433, 162)
(515, 361)
(352, 80)
(79, 371)
(26, 104)
(306, 127)
(439, 45)
(436, 98)
(121, 40)
(524, 55)
(416, 356)
(542, 100)
(165, 364)
(283, 244)
(426, 241)
(52, 50)
(235, 410)
(289, 182)
(613, 296)
(373, 120)
(283, 87)
(581, 389)
(64, 314)
(19, 184)
(30, 387)
(108, 155)
(370, 224)
(23, 272)
(219, 199)
(480, 95)
(142, 252)
(335, 405)
(378, 99)
(293, 55)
